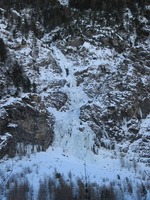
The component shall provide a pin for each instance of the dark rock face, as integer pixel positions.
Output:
(145, 106)
(56, 100)
(7, 145)
(28, 122)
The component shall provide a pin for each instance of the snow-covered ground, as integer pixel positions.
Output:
(101, 169)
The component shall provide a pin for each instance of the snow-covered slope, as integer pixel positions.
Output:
(80, 92)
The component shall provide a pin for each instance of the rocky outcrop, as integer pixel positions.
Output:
(57, 100)
(28, 122)
(6, 145)
(121, 98)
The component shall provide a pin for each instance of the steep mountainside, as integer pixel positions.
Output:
(75, 76)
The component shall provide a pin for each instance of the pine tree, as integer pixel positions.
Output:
(3, 51)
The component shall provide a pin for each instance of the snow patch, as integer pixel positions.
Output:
(64, 2)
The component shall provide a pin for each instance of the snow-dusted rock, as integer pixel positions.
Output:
(91, 72)
(28, 122)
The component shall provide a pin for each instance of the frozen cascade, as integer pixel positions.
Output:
(67, 128)
(66, 66)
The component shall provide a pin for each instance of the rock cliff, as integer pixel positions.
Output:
(66, 70)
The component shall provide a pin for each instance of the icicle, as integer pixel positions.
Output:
(140, 113)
